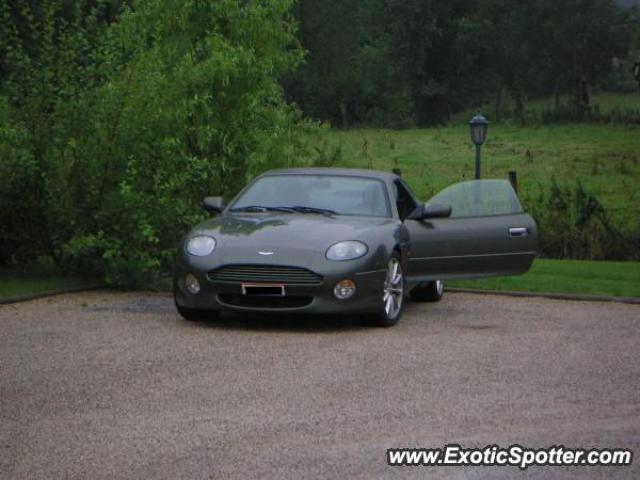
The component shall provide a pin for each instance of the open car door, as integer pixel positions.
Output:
(486, 234)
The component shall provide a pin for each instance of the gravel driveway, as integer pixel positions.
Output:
(115, 385)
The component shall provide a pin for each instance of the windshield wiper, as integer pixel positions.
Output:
(261, 208)
(303, 209)
(294, 209)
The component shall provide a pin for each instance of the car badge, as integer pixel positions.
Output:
(265, 253)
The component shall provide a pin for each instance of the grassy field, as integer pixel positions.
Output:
(16, 286)
(567, 276)
(604, 158)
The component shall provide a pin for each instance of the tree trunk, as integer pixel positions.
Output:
(576, 98)
(343, 115)
(581, 97)
(519, 106)
(498, 110)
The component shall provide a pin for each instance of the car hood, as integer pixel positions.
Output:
(283, 238)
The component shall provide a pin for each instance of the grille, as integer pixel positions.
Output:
(264, 274)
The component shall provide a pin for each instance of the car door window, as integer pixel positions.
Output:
(404, 200)
(479, 198)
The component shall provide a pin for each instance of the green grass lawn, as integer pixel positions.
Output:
(604, 158)
(16, 286)
(567, 276)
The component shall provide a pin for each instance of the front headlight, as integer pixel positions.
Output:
(348, 250)
(201, 245)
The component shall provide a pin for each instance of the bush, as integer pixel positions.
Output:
(573, 224)
(326, 156)
(44, 64)
(176, 101)
(22, 238)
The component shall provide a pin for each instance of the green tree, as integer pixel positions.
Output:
(424, 59)
(194, 108)
(113, 127)
(45, 63)
(576, 40)
(345, 78)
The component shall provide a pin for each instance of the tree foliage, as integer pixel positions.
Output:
(346, 77)
(421, 60)
(130, 129)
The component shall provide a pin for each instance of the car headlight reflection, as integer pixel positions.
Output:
(201, 245)
(348, 250)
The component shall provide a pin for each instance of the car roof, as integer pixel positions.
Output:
(347, 172)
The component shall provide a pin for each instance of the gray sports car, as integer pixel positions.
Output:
(329, 240)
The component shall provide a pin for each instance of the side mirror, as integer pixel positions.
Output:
(435, 210)
(213, 204)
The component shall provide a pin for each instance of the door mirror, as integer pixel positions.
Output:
(432, 210)
(436, 210)
(213, 204)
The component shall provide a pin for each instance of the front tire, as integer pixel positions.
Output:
(392, 294)
(428, 292)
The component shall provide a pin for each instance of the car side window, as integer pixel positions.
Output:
(479, 198)
(404, 200)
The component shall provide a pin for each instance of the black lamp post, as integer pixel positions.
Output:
(479, 126)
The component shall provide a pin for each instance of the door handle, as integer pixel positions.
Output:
(518, 232)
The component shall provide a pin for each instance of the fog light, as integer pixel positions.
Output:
(344, 289)
(192, 284)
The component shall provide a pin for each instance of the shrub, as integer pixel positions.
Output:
(177, 100)
(22, 238)
(327, 156)
(573, 224)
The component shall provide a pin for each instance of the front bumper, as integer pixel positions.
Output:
(313, 299)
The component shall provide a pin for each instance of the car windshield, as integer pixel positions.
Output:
(316, 194)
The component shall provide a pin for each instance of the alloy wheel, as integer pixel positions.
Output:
(393, 289)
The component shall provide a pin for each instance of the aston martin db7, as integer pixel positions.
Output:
(329, 240)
